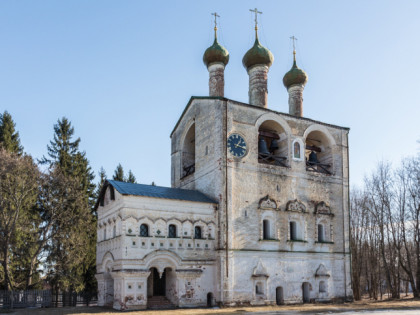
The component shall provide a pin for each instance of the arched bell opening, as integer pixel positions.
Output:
(318, 153)
(272, 144)
(188, 153)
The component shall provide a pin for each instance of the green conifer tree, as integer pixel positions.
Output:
(119, 174)
(69, 273)
(102, 179)
(9, 137)
(131, 178)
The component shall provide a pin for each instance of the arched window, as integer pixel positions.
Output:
(293, 231)
(272, 144)
(266, 230)
(318, 153)
(114, 231)
(322, 287)
(197, 232)
(296, 151)
(321, 233)
(188, 153)
(144, 230)
(104, 233)
(172, 231)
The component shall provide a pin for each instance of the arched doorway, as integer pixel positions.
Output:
(209, 299)
(279, 296)
(306, 292)
(156, 285)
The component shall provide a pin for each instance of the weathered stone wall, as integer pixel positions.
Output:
(249, 182)
(258, 90)
(124, 259)
(296, 100)
(216, 79)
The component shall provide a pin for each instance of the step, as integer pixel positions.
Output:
(159, 302)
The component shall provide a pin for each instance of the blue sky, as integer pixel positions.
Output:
(123, 71)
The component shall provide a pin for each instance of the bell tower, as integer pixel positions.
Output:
(280, 181)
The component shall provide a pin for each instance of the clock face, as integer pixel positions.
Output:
(237, 145)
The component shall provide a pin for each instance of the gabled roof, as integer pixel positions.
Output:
(250, 106)
(154, 192)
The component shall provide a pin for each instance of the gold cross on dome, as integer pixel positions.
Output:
(293, 38)
(215, 18)
(256, 15)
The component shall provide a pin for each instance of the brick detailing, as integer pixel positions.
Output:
(216, 79)
(296, 100)
(258, 85)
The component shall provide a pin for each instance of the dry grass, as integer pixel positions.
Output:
(355, 306)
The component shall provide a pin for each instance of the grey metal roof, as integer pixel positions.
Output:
(159, 192)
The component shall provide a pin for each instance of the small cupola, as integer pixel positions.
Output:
(216, 57)
(295, 75)
(257, 55)
(257, 61)
(216, 53)
(294, 81)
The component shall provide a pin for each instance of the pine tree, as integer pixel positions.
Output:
(62, 150)
(102, 179)
(131, 178)
(9, 138)
(68, 271)
(119, 174)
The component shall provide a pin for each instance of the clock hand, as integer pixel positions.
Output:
(239, 146)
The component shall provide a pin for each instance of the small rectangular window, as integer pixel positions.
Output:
(293, 232)
(321, 233)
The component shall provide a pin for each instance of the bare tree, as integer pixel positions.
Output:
(18, 190)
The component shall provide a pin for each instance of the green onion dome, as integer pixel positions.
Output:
(216, 53)
(295, 75)
(257, 55)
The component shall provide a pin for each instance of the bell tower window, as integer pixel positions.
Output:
(188, 153)
(272, 144)
(318, 153)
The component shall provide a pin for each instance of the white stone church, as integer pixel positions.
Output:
(258, 211)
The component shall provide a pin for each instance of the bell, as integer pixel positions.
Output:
(274, 145)
(313, 158)
(262, 147)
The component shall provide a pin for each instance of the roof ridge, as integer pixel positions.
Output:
(135, 189)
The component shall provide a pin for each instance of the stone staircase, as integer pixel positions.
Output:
(159, 303)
